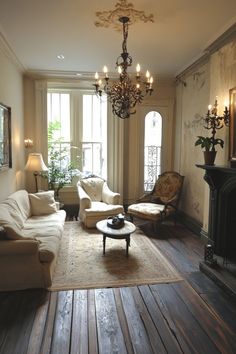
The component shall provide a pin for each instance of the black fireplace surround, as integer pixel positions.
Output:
(222, 209)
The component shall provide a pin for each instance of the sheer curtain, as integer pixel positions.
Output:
(115, 151)
(41, 118)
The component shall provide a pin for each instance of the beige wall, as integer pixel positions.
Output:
(11, 94)
(215, 77)
(192, 102)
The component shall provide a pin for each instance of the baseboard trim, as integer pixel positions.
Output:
(192, 224)
(220, 276)
(204, 236)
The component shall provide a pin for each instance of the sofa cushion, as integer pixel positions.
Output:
(10, 223)
(20, 201)
(7, 216)
(54, 219)
(42, 203)
(14, 233)
(93, 187)
(100, 208)
(11, 213)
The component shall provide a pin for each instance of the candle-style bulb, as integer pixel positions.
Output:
(226, 103)
(105, 70)
(119, 70)
(147, 74)
(138, 68)
(96, 76)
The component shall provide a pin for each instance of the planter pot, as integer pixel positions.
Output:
(209, 157)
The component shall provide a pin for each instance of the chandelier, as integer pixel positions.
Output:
(124, 93)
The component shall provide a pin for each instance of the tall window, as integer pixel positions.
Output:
(94, 137)
(152, 149)
(77, 123)
(59, 137)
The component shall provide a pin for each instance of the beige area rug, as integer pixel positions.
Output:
(81, 264)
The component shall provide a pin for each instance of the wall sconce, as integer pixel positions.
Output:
(36, 165)
(28, 143)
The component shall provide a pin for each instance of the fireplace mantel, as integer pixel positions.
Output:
(222, 203)
(214, 174)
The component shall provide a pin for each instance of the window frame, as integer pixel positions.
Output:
(76, 123)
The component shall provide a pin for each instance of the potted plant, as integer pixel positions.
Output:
(60, 169)
(208, 144)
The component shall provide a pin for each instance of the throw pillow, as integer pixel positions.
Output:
(42, 203)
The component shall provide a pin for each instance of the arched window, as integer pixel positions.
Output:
(152, 149)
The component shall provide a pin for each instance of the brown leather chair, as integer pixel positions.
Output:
(162, 202)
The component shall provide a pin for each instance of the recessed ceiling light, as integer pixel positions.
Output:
(60, 56)
(78, 74)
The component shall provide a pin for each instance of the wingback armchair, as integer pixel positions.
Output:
(162, 201)
(97, 201)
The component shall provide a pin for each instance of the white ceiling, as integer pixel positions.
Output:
(38, 30)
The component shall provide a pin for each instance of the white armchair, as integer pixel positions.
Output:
(97, 201)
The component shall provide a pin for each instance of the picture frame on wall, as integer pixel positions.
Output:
(5, 138)
(232, 127)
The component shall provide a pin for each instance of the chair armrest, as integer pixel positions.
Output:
(110, 197)
(144, 198)
(170, 202)
(85, 200)
(17, 247)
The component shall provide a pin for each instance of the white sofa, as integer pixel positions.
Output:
(31, 229)
(97, 201)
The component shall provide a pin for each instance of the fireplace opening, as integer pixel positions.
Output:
(224, 235)
(230, 234)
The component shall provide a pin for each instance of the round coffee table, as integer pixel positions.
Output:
(123, 233)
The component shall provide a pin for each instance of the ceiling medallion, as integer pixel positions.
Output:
(122, 8)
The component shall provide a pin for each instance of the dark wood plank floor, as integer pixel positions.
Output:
(190, 316)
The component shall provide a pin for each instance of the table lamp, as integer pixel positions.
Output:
(35, 164)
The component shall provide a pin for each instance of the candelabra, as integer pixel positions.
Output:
(124, 94)
(213, 121)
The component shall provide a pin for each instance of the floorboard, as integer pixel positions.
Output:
(79, 330)
(190, 316)
(185, 322)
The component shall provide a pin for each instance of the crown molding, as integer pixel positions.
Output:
(60, 74)
(191, 68)
(72, 76)
(9, 53)
(228, 36)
